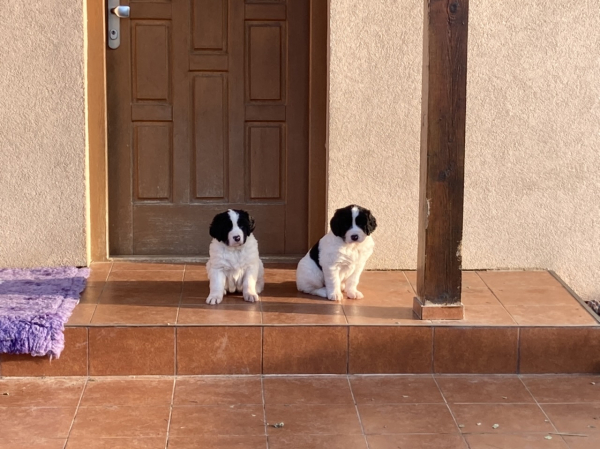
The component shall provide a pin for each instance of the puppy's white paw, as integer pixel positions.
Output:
(335, 296)
(251, 297)
(354, 294)
(214, 299)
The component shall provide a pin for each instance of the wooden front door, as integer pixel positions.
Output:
(208, 110)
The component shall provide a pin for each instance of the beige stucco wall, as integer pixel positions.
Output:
(532, 196)
(42, 133)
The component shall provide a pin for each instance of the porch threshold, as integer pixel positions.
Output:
(151, 319)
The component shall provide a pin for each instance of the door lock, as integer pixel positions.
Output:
(115, 13)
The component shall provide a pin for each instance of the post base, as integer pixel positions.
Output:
(438, 312)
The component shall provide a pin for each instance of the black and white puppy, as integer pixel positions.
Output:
(234, 263)
(336, 261)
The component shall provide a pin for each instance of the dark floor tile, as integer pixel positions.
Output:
(36, 443)
(121, 422)
(116, 443)
(315, 419)
(141, 392)
(307, 390)
(510, 418)
(575, 418)
(406, 418)
(193, 421)
(218, 391)
(33, 423)
(395, 390)
(49, 392)
(564, 389)
(515, 441)
(290, 441)
(483, 389)
(219, 442)
(421, 441)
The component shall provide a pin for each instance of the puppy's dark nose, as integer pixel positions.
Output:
(236, 238)
(354, 237)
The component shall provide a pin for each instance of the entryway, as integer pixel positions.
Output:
(209, 108)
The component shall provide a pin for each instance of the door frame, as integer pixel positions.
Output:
(97, 112)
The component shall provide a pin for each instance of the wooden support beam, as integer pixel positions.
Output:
(442, 159)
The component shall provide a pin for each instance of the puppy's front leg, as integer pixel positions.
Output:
(217, 287)
(250, 277)
(352, 282)
(332, 283)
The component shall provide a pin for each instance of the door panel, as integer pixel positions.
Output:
(208, 110)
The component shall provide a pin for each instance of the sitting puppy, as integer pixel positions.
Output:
(234, 264)
(336, 261)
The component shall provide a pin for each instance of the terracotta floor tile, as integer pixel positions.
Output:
(142, 392)
(219, 350)
(589, 442)
(121, 422)
(220, 314)
(395, 389)
(515, 441)
(127, 351)
(307, 390)
(218, 391)
(97, 277)
(82, 315)
(49, 392)
(474, 290)
(146, 266)
(116, 443)
(383, 315)
(475, 350)
(290, 441)
(422, 441)
(192, 421)
(546, 315)
(286, 313)
(196, 275)
(564, 389)
(113, 314)
(511, 418)
(305, 350)
(73, 360)
(575, 418)
(406, 418)
(314, 419)
(390, 350)
(486, 315)
(219, 442)
(101, 265)
(143, 275)
(31, 423)
(38, 443)
(91, 294)
(479, 389)
(526, 287)
(151, 293)
(560, 350)
(389, 288)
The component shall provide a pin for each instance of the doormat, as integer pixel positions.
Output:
(35, 304)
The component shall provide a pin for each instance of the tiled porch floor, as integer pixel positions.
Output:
(337, 412)
(171, 294)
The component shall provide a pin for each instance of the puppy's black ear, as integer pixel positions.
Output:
(371, 222)
(220, 227)
(341, 221)
(246, 221)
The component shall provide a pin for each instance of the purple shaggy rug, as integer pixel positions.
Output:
(35, 304)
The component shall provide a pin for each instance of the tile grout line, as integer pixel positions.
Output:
(262, 390)
(433, 351)
(100, 295)
(460, 432)
(519, 350)
(170, 413)
(362, 427)
(175, 333)
(543, 411)
(76, 412)
(516, 323)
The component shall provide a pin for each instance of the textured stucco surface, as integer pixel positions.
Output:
(42, 133)
(532, 197)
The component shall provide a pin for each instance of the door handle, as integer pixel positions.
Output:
(115, 13)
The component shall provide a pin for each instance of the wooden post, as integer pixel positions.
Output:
(442, 160)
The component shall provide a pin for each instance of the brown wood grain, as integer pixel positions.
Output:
(442, 151)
